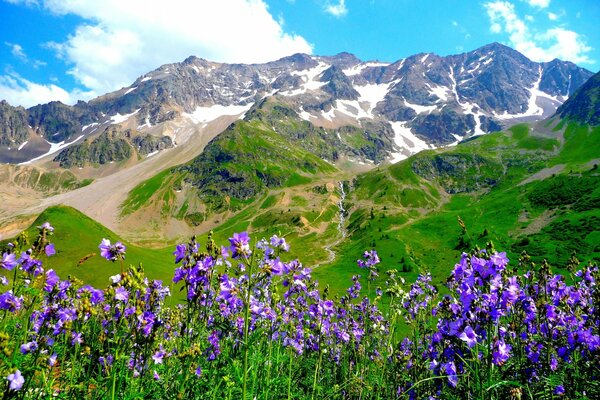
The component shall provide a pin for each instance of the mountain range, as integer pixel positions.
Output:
(423, 101)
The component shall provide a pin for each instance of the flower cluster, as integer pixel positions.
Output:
(505, 327)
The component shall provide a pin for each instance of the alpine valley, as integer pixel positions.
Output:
(420, 159)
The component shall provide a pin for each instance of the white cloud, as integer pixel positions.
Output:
(122, 40)
(337, 9)
(538, 3)
(553, 16)
(19, 91)
(545, 45)
(17, 50)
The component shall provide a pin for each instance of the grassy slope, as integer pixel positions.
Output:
(77, 236)
(411, 221)
(429, 241)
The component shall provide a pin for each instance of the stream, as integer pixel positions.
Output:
(341, 229)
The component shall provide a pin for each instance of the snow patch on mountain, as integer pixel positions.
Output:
(304, 114)
(372, 94)
(406, 141)
(357, 69)
(207, 114)
(308, 77)
(352, 108)
(440, 92)
(419, 109)
(118, 118)
(54, 148)
(532, 107)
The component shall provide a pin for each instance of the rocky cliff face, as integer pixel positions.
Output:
(584, 106)
(422, 101)
(13, 125)
(111, 145)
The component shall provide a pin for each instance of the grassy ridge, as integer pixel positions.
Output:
(77, 236)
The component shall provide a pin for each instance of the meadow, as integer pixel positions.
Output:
(252, 322)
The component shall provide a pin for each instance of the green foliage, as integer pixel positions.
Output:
(246, 160)
(525, 140)
(583, 192)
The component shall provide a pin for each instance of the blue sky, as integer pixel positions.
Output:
(77, 49)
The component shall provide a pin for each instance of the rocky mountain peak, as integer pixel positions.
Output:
(342, 60)
(338, 85)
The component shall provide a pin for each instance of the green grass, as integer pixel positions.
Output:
(581, 146)
(141, 194)
(77, 236)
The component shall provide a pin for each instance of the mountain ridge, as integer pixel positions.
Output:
(435, 99)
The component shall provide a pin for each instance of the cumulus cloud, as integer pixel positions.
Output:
(122, 40)
(19, 91)
(337, 9)
(544, 45)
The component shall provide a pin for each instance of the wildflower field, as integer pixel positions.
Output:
(253, 324)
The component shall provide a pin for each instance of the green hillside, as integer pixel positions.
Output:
(521, 189)
(77, 237)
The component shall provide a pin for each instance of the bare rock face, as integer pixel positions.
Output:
(13, 125)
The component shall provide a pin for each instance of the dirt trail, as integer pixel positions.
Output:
(101, 199)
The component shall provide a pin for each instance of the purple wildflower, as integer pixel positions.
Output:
(9, 302)
(279, 242)
(52, 360)
(15, 380)
(501, 353)
(121, 294)
(9, 261)
(112, 252)
(469, 336)
(46, 226)
(179, 252)
(49, 249)
(240, 244)
(450, 370)
(76, 338)
(28, 347)
(51, 280)
(158, 356)
(370, 259)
